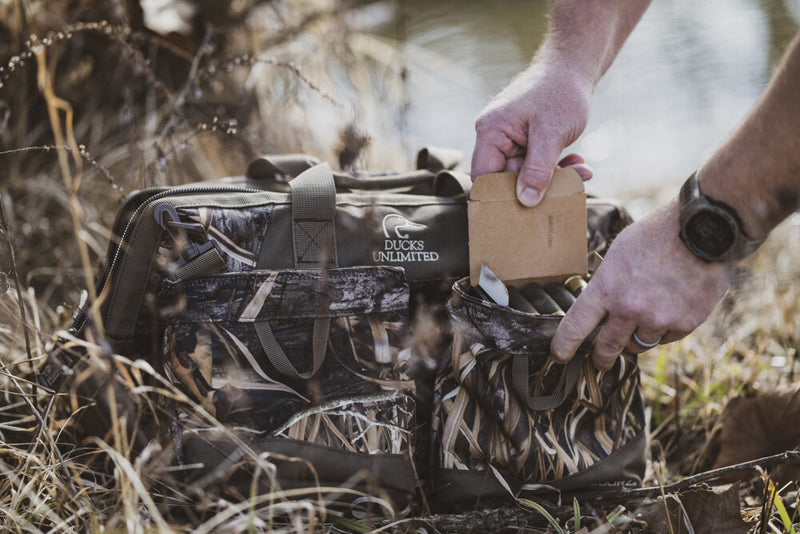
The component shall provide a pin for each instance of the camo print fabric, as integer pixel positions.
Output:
(480, 421)
(360, 399)
(238, 233)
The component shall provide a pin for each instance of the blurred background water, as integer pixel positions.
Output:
(685, 78)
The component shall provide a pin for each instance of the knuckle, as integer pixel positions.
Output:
(604, 363)
(635, 308)
(605, 348)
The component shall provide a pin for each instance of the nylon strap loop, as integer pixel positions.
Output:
(277, 357)
(314, 242)
(519, 377)
(313, 214)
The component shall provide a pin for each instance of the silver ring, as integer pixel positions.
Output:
(641, 344)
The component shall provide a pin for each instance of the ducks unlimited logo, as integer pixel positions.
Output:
(399, 245)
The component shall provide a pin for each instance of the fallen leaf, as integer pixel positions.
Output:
(712, 512)
(750, 428)
(664, 519)
(702, 511)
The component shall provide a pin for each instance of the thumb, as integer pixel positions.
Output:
(537, 170)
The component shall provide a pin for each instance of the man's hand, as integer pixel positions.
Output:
(648, 284)
(527, 125)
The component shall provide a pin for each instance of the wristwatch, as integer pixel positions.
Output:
(711, 229)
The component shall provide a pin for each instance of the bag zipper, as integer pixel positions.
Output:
(127, 216)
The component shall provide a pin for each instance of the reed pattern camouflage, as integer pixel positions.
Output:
(202, 282)
(359, 399)
(482, 423)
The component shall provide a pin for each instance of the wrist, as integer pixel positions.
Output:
(561, 60)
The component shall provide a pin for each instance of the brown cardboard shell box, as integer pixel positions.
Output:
(521, 244)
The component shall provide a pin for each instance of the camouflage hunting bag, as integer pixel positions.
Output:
(278, 304)
(509, 421)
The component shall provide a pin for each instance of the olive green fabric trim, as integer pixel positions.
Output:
(624, 467)
(217, 452)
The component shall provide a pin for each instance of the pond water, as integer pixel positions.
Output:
(686, 77)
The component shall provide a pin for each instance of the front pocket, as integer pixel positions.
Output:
(312, 355)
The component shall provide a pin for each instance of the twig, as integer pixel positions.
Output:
(787, 457)
(84, 153)
(6, 231)
(177, 102)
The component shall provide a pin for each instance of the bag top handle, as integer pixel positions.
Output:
(434, 166)
(313, 218)
(314, 244)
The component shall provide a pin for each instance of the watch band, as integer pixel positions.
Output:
(693, 201)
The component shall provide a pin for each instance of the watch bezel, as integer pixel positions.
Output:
(694, 203)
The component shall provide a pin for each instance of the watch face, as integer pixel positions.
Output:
(710, 232)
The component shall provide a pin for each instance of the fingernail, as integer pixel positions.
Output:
(529, 196)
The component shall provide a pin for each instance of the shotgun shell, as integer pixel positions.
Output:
(540, 300)
(519, 302)
(575, 284)
(560, 294)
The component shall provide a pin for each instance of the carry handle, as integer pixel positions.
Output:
(519, 377)
(314, 247)
(313, 218)
(278, 358)
(434, 166)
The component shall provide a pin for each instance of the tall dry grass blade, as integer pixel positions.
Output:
(66, 137)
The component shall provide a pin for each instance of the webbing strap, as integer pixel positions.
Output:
(209, 262)
(277, 357)
(313, 214)
(314, 242)
(519, 377)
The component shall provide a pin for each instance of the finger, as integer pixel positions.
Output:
(571, 159)
(584, 171)
(492, 148)
(486, 158)
(537, 169)
(578, 164)
(580, 320)
(614, 335)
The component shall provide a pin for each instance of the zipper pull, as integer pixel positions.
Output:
(195, 258)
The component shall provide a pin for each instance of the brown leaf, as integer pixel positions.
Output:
(701, 510)
(712, 512)
(664, 519)
(751, 428)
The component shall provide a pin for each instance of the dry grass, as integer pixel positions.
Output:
(92, 111)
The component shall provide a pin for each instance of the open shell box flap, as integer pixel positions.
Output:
(545, 243)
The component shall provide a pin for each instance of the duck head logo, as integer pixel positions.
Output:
(400, 225)
(398, 245)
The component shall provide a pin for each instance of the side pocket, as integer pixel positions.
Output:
(482, 424)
